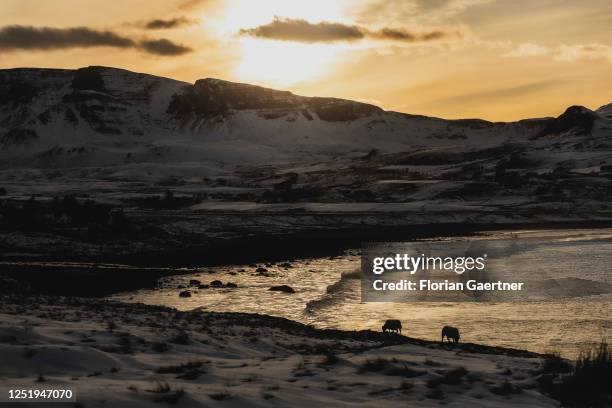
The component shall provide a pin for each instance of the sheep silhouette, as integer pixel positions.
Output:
(450, 333)
(392, 325)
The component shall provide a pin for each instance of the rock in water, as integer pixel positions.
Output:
(216, 284)
(282, 288)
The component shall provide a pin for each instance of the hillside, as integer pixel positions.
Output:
(165, 152)
(107, 116)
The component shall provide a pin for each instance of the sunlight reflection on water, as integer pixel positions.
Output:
(326, 300)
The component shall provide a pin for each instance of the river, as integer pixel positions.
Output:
(327, 294)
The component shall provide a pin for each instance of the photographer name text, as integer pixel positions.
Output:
(429, 285)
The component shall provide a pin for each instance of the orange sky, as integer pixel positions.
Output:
(499, 60)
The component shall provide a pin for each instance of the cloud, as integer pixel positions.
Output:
(396, 34)
(594, 51)
(563, 52)
(452, 8)
(192, 4)
(527, 50)
(502, 93)
(161, 24)
(414, 11)
(46, 38)
(164, 47)
(287, 29)
(16, 38)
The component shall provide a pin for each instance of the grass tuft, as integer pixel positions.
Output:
(161, 387)
(589, 384)
(179, 368)
(219, 396)
(374, 365)
(554, 363)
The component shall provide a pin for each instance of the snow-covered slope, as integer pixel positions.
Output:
(233, 141)
(106, 116)
(61, 116)
(606, 111)
(119, 355)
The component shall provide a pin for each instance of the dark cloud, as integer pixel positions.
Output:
(160, 24)
(396, 34)
(164, 47)
(287, 29)
(14, 38)
(46, 38)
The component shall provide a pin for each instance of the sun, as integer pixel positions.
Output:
(280, 63)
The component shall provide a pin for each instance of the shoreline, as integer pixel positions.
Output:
(278, 247)
(257, 320)
(98, 276)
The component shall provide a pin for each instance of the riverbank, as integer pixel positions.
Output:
(186, 237)
(101, 273)
(121, 354)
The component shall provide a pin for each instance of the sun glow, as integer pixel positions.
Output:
(248, 13)
(279, 63)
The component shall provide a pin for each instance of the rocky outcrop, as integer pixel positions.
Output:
(577, 119)
(211, 97)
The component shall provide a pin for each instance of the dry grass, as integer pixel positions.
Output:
(589, 384)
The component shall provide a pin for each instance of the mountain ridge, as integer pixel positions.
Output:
(227, 82)
(105, 116)
(151, 144)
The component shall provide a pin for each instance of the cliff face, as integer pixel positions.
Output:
(210, 97)
(113, 101)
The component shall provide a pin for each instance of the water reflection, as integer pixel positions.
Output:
(327, 294)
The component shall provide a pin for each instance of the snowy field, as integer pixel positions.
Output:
(128, 355)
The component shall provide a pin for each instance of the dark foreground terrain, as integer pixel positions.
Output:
(135, 355)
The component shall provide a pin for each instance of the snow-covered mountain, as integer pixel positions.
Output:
(219, 160)
(108, 116)
(110, 131)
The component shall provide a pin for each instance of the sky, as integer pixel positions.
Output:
(494, 59)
